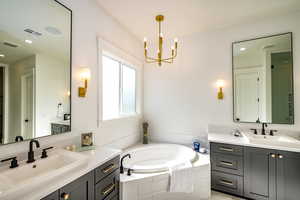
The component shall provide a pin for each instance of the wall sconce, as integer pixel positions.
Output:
(85, 75)
(220, 85)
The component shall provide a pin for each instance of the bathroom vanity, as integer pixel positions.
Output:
(89, 175)
(253, 170)
(101, 183)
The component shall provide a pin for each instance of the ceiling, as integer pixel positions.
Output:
(280, 43)
(184, 17)
(37, 15)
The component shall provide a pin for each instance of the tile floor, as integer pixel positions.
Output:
(220, 196)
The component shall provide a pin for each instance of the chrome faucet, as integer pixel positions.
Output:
(31, 152)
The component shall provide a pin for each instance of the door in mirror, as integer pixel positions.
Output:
(263, 80)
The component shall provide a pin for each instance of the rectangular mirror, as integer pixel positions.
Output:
(35, 65)
(263, 80)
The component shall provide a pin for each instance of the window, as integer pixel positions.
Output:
(119, 88)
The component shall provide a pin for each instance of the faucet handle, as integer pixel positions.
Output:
(272, 132)
(44, 153)
(129, 172)
(254, 130)
(14, 162)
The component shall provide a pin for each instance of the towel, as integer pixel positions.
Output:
(181, 178)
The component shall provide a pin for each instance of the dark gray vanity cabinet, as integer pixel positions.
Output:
(255, 173)
(271, 174)
(288, 175)
(80, 189)
(260, 173)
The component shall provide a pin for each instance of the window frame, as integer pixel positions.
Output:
(121, 63)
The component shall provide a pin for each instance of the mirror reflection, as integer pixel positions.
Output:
(263, 80)
(34, 69)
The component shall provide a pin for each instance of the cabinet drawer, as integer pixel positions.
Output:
(106, 169)
(108, 187)
(227, 163)
(226, 148)
(228, 183)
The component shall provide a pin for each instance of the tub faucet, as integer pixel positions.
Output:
(121, 167)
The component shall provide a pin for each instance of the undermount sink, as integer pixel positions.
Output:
(57, 163)
(278, 140)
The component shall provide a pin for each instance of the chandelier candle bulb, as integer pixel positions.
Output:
(145, 43)
(176, 42)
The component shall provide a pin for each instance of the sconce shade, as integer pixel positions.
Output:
(85, 74)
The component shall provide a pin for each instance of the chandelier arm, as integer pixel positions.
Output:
(165, 61)
(153, 59)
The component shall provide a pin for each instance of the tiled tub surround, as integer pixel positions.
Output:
(95, 158)
(155, 186)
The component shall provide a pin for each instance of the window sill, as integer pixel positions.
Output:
(123, 117)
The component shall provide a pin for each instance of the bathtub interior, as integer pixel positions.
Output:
(158, 157)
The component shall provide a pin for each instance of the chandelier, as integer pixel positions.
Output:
(160, 59)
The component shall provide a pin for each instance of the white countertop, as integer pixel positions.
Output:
(96, 158)
(229, 138)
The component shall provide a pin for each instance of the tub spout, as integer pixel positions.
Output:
(121, 167)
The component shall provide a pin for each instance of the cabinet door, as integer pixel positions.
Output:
(80, 189)
(53, 196)
(288, 176)
(259, 174)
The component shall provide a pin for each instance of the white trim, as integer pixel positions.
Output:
(32, 73)
(110, 50)
(5, 104)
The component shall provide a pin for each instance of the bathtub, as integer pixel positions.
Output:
(153, 158)
(150, 178)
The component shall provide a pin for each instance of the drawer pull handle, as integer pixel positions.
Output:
(226, 149)
(273, 155)
(65, 196)
(108, 189)
(226, 163)
(109, 168)
(226, 182)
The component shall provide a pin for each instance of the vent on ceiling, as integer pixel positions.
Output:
(269, 46)
(10, 44)
(30, 31)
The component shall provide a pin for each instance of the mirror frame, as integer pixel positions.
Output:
(70, 97)
(232, 63)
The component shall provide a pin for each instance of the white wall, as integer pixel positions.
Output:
(15, 73)
(51, 89)
(89, 22)
(181, 99)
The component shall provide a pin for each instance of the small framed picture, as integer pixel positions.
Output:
(86, 139)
